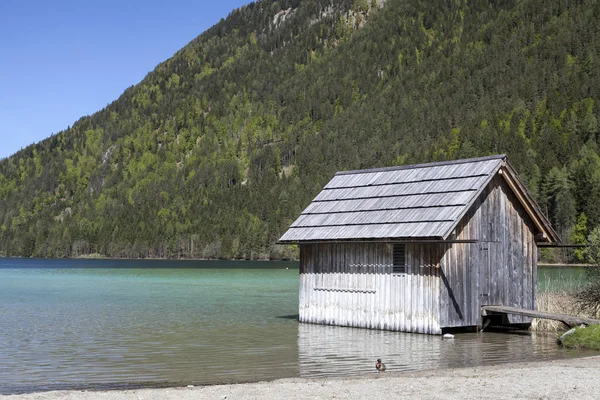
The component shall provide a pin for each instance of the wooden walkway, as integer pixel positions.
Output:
(569, 320)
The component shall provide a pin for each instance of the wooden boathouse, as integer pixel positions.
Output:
(419, 248)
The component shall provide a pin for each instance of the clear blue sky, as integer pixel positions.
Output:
(63, 59)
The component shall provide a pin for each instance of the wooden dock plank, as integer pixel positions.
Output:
(567, 319)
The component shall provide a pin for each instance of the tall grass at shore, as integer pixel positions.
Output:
(557, 294)
(556, 303)
(583, 338)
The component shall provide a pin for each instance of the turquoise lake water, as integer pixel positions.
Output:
(113, 324)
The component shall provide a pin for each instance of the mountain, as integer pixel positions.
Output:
(219, 148)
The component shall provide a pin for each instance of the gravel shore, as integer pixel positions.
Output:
(573, 379)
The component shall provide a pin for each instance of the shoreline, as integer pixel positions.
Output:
(555, 379)
(84, 258)
(106, 258)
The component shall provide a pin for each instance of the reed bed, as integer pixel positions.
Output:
(558, 303)
(561, 281)
(557, 294)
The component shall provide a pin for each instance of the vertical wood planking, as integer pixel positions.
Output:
(443, 290)
(413, 299)
(534, 274)
(371, 296)
(419, 300)
(403, 296)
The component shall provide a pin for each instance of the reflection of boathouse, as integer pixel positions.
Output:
(419, 248)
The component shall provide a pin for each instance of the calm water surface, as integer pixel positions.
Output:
(98, 324)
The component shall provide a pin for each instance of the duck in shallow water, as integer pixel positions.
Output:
(380, 367)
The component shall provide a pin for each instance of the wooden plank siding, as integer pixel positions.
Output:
(469, 227)
(353, 285)
(501, 268)
(445, 285)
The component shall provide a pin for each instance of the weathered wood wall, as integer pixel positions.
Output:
(459, 290)
(500, 269)
(352, 284)
(445, 285)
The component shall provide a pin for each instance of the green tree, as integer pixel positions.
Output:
(579, 235)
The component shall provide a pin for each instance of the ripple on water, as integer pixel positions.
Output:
(113, 327)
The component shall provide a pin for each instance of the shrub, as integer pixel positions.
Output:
(584, 338)
(589, 296)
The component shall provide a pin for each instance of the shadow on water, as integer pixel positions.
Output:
(518, 332)
(292, 317)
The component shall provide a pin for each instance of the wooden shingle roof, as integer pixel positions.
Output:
(424, 201)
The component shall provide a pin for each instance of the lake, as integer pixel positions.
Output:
(70, 324)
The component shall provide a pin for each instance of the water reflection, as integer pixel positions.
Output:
(114, 327)
(329, 350)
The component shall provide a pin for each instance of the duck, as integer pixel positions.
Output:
(380, 367)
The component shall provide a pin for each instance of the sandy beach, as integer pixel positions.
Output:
(573, 379)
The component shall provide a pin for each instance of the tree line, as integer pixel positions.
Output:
(220, 148)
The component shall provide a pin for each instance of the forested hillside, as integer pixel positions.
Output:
(219, 148)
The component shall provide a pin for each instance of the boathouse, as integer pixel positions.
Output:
(419, 248)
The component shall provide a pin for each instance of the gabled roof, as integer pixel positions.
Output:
(415, 202)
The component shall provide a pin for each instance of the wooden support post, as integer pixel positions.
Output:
(486, 323)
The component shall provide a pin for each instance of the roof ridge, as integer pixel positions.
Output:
(426, 165)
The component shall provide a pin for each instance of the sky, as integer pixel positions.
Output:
(64, 59)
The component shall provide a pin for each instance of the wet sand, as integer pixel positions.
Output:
(573, 378)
